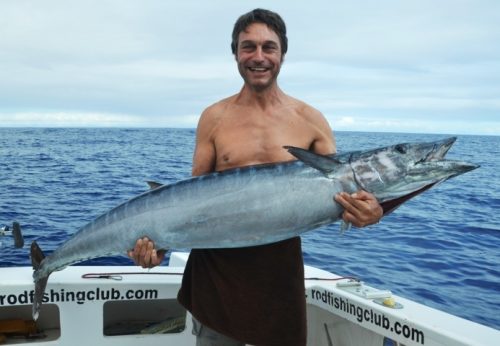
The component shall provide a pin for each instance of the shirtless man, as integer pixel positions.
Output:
(255, 295)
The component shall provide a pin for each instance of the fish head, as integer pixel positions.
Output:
(399, 172)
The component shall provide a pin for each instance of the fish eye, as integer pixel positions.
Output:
(400, 148)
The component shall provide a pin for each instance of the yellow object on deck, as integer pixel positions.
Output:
(16, 327)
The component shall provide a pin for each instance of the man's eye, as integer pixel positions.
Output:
(270, 48)
(247, 47)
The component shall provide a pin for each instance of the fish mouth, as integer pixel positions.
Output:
(441, 148)
(392, 204)
(427, 168)
(430, 159)
(441, 169)
(431, 151)
(436, 172)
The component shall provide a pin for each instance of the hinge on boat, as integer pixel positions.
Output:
(15, 233)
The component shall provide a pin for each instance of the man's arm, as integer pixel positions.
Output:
(204, 158)
(324, 139)
(361, 208)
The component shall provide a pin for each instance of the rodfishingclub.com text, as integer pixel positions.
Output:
(80, 296)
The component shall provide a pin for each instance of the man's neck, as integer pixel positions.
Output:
(263, 99)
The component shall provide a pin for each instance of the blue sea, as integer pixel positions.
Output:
(441, 249)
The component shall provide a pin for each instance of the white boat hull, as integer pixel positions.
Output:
(118, 309)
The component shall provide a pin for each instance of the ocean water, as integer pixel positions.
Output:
(441, 249)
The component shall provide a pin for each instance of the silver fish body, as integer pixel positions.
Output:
(253, 205)
(237, 208)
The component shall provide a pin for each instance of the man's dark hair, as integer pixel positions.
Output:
(271, 19)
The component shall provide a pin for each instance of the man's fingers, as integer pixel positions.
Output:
(143, 248)
(362, 195)
(361, 208)
(146, 259)
(348, 217)
(350, 204)
(144, 253)
(141, 253)
(154, 258)
(139, 244)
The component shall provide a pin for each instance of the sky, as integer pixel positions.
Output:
(422, 66)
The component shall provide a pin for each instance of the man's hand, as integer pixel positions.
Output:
(361, 208)
(145, 255)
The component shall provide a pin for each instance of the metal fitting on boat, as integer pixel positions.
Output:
(15, 232)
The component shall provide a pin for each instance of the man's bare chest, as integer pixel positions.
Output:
(257, 143)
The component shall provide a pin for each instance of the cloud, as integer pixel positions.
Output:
(412, 125)
(128, 63)
(92, 119)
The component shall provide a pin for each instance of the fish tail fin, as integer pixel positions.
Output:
(37, 257)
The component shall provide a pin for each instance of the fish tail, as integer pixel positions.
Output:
(37, 257)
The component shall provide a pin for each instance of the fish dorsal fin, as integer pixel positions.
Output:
(325, 164)
(153, 184)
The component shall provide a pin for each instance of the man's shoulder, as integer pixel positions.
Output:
(313, 119)
(213, 114)
(218, 108)
(305, 110)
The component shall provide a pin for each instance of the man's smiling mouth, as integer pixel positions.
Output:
(258, 69)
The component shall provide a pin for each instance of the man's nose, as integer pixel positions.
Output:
(259, 54)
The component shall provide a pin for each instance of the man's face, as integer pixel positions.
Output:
(259, 56)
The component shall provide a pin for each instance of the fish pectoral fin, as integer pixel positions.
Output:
(153, 184)
(325, 164)
(345, 226)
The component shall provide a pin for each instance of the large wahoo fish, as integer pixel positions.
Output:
(253, 205)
